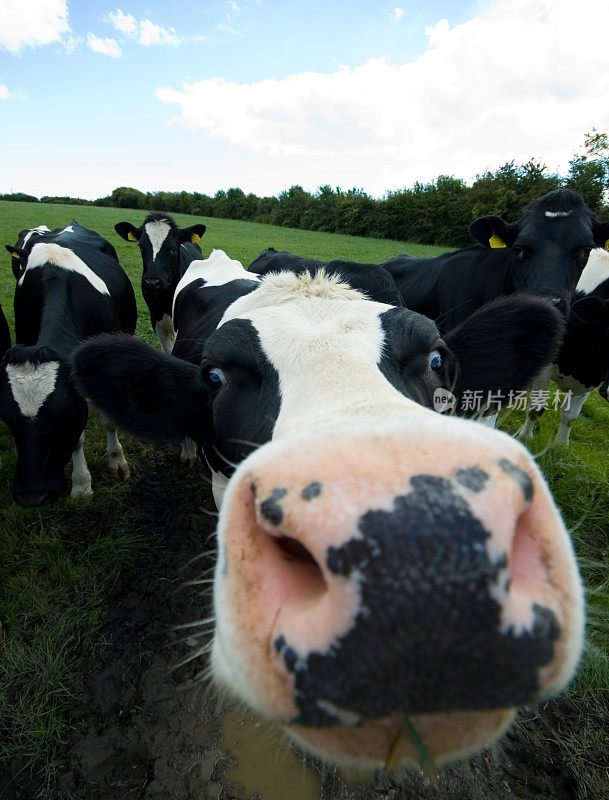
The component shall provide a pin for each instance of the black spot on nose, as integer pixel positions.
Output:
(311, 491)
(473, 478)
(520, 476)
(271, 509)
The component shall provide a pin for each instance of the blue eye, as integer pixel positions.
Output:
(435, 359)
(216, 376)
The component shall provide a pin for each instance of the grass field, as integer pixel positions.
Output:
(58, 564)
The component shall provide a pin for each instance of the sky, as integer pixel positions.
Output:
(265, 94)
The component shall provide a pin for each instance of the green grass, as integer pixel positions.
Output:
(57, 564)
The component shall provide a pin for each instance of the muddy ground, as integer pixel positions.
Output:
(140, 732)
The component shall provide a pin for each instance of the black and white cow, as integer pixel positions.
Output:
(71, 286)
(583, 360)
(542, 253)
(372, 279)
(377, 560)
(159, 239)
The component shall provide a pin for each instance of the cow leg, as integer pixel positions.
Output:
(81, 477)
(568, 416)
(189, 452)
(540, 383)
(114, 449)
(165, 333)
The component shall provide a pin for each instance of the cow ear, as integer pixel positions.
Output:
(128, 231)
(192, 234)
(590, 310)
(493, 232)
(17, 265)
(16, 252)
(143, 391)
(600, 231)
(503, 346)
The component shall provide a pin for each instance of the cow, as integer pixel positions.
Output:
(583, 360)
(159, 239)
(372, 279)
(380, 565)
(542, 253)
(71, 286)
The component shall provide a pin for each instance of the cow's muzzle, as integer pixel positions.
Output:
(369, 580)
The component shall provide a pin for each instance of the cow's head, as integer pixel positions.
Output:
(46, 416)
(20, 251)
(549, 245)
(159, 239)
(378, 562)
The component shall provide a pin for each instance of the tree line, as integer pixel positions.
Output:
(438, 212)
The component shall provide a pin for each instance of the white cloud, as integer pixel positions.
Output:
(525, 78)
(106, 47)
(397, 14)
(146, 31)
(30, 23)
(153, 34)
(5, 94)
(122, 21)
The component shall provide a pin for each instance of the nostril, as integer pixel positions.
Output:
(300, 572)
(294, 549)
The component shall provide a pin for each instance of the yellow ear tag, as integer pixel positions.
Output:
(195, 238)
(16, 255)
(132, 237)
(496, 242)
(607, 245)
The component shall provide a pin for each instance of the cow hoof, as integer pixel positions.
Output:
(121, 470)
(83, 492)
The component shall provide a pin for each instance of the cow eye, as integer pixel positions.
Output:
(435, 359)
(216, 376)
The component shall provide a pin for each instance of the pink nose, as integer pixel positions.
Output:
(375, 578)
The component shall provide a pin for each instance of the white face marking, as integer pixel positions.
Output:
(595, 272)
(68, 229)
(157, 233)
(31, 384)
(309, 328)
(216, 270)
(39, 229)
(43, 253)
(557, 214)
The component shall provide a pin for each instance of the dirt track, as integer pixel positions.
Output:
(138, 734)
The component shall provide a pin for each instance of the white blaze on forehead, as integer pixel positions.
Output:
(31, 384)
(595, 272)
(43, 253)
(325, 340)
(216, 270)
(39, 229)
(278, 288)
(157, 233)
(557, 214)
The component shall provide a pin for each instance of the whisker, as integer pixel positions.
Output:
(208, 621)
(203, 650)
(225, 459)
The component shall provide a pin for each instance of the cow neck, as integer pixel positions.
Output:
(58, 330)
